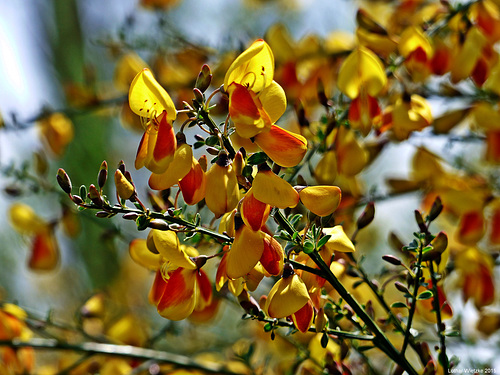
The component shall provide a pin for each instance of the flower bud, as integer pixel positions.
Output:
(392, 260)
(102, 176)
(95, 196)
(64, 181)
(123, 186)
(367, 216)
(204, 78)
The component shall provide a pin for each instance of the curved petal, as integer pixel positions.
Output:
(179, 295)
(168, 245)
(270, 189)
(245, 252)
(321, 200)
(286, 297)
(176, 170)
(282, 146)
(254, 67)
(273, 99)
(140, 254)
(338, 240)
(147, 98)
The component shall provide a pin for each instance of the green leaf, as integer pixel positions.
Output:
(452, 333)
(425, 295)
(323, 241)
(83, 192)
(399, 305)
(212, 140)
(198, 144)
(257, 158)
(294, 219)
(324, 340)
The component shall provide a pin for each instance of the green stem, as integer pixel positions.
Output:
(416, 285)
(125, 351)
(343, 334)
(443, 358)
(211, 124)
(380, 340)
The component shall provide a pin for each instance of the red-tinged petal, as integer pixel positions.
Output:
(44, 253)
(364, 113)
(205, 290)
(165, 145)
(273, 256)
(246, 111)
(194, 184)
(254, 212)
(304, 317)
(157, 289)
(495, 227)
(282, 146)
(221, 276)
(493, 146)
(471, 227)
(180, 295)
(207, 313)
(480, 286)
(142, 150)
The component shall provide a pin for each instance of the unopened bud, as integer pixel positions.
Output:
(392, 260)
(436, 209)
(64, 181)
(204, 78)
(158, 224)
(102, 176)
(321, 320)
(102, 214)
(367, 216)
(248, 303)
(95, 196)
(420, 221)
(77, 199)
(238, 163)
(321, 94)
(198, 95)
(130, 216)
(212, 151)
(121, 166)
(400, 286)
(123, 186)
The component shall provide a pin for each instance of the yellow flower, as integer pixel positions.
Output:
(150, 101)
(272, 190)
(338, 240)
(176, 170)
(255, 100)
(223, 193)
(321, 200)
(57, 132)
(361, 71)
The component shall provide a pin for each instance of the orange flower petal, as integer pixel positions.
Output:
(303, 318)
(180, 294)
(254, 212)
(283, 147)
(45, 252)
(273, 256)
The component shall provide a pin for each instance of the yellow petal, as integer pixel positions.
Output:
(176, 170)
(326, 169)
(140, 254)
(222, 194)
(467, 57)
(24, 219)
(286, 297)
(413, 38)
(361, 70)
(338, 240)
(270, 189)
(245, 252)
(254, 67)
(123, 186)
(168, 245)
(321, 200)
(273, 99)
(147, 98)
(180, 294)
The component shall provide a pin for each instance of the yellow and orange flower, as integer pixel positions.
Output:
(150, 101)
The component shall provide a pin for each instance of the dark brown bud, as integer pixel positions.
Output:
(158, 224)
(102, 214)
(130, 216)
(367, 216)
(288, 270)
(198, 95)
(223, 160)
(392, 260)
(420, 221)
(102, 176)
(95, 196)
(436, 209)
(204, 78)
(64, 181)
(400, 286)
(121, 166)
(77, 199)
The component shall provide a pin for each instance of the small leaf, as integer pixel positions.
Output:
(323, 241)
(398, 305)
(452, 333)
(425, 295)
(257, 158)
(198, 144)
(324, 340)
(212, 140)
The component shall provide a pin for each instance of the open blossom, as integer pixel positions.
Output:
(150, 101)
